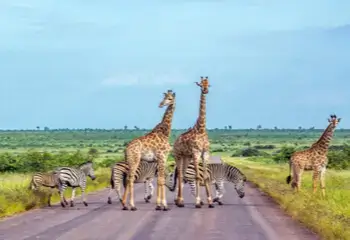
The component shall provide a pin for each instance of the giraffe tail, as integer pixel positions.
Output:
(289, 178)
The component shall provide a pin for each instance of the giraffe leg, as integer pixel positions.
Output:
(298, 179)
(315, 178)
(322, 180)
(179, 166)
(161, 197)
(205, 160)
(196, 158)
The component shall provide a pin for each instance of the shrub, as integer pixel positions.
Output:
(284, 154)
(249, 152)
(33, 161)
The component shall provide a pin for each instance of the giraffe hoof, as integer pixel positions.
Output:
(180, 204)
(125, 208)
(166, 208)
(85, 203)
(72, 204)
(198, 206)
(211, 205)
(133, 208)
(63, 205)
(202, 203)
(109, 201)
(158, 208)
(146, 200)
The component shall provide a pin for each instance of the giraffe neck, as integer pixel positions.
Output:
(323, 142)
(200, 125)
(164, 127)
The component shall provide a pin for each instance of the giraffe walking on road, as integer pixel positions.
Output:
(154, 146)
(192, 146)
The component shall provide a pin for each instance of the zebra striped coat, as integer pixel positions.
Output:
(49, 180)
(74, 177)
(144, 174)
(218, 174)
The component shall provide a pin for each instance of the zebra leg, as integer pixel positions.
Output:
(49, 198)
(148, 190)
(83, 195)
(109, 200)
(61, 188)
(73, 196)
(219, 192)
(205, 160)
(193, 190)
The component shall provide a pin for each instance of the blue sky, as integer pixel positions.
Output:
(104, 64)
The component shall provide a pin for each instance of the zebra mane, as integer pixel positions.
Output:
(85, 163)
(239, 171)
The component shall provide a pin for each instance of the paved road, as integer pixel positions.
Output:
(254, 217)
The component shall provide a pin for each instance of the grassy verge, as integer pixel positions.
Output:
(329, 216)
(15, 197)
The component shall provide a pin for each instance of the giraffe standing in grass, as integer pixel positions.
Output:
(193, 145)
(314, 158)
(153, 146)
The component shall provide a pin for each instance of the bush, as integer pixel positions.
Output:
(33, 161)
(265, 146)
(249, 152)
(284, 154)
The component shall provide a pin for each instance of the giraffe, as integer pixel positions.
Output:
(193, 145)
(154, 146)
(313, 158)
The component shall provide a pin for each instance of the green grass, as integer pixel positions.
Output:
(329, 216)
(15, 197)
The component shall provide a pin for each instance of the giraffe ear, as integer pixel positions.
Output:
(165, 94)
(174, 94)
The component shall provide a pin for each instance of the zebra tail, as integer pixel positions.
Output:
(172, 189)
(124, 180)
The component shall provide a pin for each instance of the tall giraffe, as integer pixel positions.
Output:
(193, 145)
(313, 158)
(154, 146)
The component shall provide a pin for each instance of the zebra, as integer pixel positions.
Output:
(75, 177)
(49, 179)
(218, 174)
(144, 174)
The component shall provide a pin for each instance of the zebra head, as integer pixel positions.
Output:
(87, 168)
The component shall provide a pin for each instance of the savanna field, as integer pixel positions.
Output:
(262, 154)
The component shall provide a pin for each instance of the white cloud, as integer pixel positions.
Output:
(145, 79)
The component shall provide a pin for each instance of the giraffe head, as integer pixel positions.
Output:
(169, 99)
(334, 120)
(204, 84)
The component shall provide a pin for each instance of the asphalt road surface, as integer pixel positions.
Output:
(255, 217)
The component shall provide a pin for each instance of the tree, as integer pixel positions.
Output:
(93, 152)
(126, 127)
(258, 127)
(230, 127)
(37, 128)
